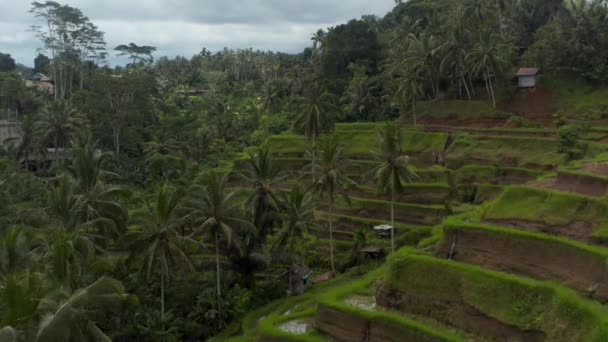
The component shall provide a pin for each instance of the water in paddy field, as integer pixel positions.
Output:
(362, 302)
(296, 326)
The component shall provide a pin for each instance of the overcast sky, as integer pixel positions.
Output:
(183, 27)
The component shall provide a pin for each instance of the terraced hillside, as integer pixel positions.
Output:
(501, 239)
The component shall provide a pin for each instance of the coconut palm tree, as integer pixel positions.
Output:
(298, 217)
(318, 39)
(217, 215)
(455, 50)
(315, 115)
(409, 90)
(332, 182)
(359, 97)
(423, 58)
(487, 57)
(96, 200)
(395, 171)
(158, 247)
(164, 157)
(67, 254)
(58, 124)
(269, 96)
(28, 143)
(69, 319)
(63, 205)
(14, 250)
(262, 204)
(21, 295)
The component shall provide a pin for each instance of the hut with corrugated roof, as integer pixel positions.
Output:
(526, 77)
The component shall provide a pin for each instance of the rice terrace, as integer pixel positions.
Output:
(436, 170)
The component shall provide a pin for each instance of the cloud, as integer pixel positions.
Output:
(183, 27)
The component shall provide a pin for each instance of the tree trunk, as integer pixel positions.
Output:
(485, 80)
(162, 295)
(472, 87)
(460, 89)
(313, 158)
(290, 266)
(466, 87)
(414, 110)
(116, 133)
(162, 303)
(57, 153)
(432, 83)
(217, 269)
(393, 218)
(491, 86)
(331, 235)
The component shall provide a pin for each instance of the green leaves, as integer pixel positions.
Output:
(69, 321)
(8, 334)
(392, 175)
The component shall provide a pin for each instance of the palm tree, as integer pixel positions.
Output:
(318, 39)
(298, 216)
(487, 57)
(409, 90)
(14, 250)
(96, 199)
(391, 175)
(262, 204)
(63, 204)
(28, 143)
(21, 294)
(315, 110)
(218, 214)
(359, 96)
(455, 50)
(423, 58)
(68, 255)
(164, 157)
(68, 318)
(269, 96)
(158, 248)
(332, 182)
(58, 124)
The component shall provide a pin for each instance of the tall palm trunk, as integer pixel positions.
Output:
(464, 81)
(473, 92)
(57, 153)
(313, 158)
(414, 110)
(162, 294)
(116, 132)
(162, 303)
(217, 269)
(393, 218)
(491, 86)
(291, 248)
(432, 83)
(331, 234)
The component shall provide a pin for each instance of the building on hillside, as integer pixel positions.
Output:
(526, 77)
(41, 82)
(372, 251)
(298, 276)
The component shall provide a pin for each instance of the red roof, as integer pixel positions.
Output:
(527, 71)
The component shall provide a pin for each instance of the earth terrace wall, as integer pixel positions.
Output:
(348, 323)
(540, 256)
(496, 305)
(565, 214)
